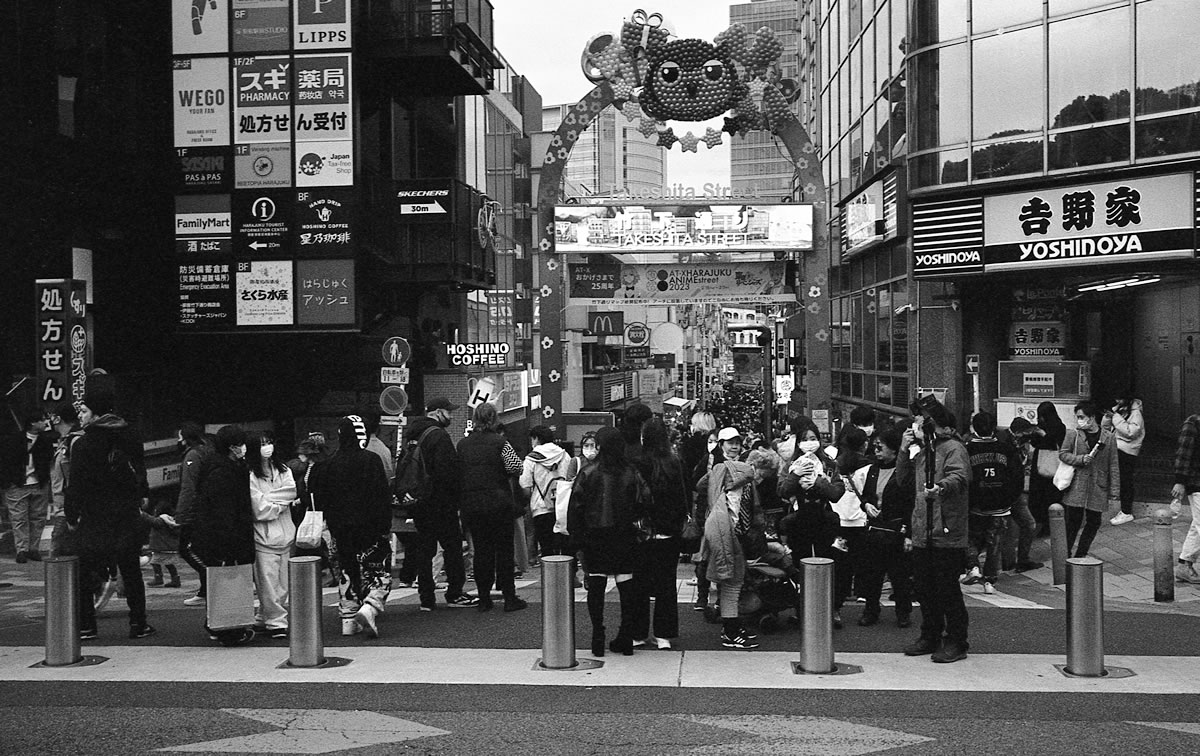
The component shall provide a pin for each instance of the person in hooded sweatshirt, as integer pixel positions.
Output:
(103, 499)
(541, 470)
(356, 499)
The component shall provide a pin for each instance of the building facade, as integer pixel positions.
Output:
(1006, 206)
(611, 157)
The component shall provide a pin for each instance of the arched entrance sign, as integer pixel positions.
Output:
(653, 79)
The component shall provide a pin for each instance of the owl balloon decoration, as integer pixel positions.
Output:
(656, 79)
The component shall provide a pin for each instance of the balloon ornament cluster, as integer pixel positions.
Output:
(655, 78)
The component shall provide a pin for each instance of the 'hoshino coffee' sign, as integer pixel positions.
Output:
(466, 355)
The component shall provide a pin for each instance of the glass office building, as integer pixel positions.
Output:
(1014, 182)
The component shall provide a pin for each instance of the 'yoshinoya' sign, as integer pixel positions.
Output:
(462, 355)
(1113, 221)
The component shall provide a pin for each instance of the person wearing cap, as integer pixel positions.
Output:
(103, 499)
(489, 464)
(730, 507)
(352, 490)
(438, 523)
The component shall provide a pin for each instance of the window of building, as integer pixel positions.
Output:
(987, 15)
(1009, 98)
(1168, 73)
(946, 167)
(1089, 68)
(1157, 137)
(939, 21)
(943, 95)
(1074, 149)
(1011, 158)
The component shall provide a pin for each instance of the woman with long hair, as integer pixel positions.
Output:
(1047, 440)
(668, 505)
(607, 500)
(812, 484)
(272, 494)
(489, 464)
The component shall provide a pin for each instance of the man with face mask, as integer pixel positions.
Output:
(438, 522)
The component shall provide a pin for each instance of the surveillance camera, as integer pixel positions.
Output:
(954, 305)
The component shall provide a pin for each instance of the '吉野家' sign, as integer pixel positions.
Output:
(465, 355)
(1121, 220)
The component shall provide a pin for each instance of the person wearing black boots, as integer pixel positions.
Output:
(607, 501)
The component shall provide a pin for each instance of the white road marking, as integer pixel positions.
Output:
(802, 736)
(314, 731)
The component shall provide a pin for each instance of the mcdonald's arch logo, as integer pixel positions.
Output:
(606, 323)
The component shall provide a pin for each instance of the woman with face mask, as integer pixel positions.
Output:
(224, 532)
(811, 484)
(1090, 450)
(272, 494)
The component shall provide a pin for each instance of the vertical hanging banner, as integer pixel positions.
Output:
(322, 24)
(62, 339)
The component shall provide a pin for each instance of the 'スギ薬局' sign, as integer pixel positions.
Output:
(1123, 220)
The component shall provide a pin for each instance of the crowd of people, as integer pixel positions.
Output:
(912, 502)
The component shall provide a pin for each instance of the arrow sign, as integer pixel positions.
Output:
(818, 736)
(257, 246)
(315, 731)
(972, 364)
(421, 208)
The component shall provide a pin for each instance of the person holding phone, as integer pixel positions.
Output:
(1089, 449)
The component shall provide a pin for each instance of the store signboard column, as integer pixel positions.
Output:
(263, 103)
(62, 340)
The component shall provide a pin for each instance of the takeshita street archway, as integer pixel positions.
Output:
(653, 78)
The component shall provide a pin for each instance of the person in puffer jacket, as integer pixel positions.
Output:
(542, 471)
(1127, 424)
(272, 494)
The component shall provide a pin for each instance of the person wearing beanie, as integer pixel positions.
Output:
(351, 488)
(103, 502)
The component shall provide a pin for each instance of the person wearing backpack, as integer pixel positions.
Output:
(543, 470)
(431, 501)
(104, 495)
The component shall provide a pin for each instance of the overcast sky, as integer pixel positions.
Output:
(544, 40)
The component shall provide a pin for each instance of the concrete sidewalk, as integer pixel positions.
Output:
(1128, 556)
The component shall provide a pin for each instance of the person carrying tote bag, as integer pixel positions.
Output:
(1089, 450)
(224, 538)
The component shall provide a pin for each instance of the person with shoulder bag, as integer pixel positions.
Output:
(888, 497)
(1090, 451)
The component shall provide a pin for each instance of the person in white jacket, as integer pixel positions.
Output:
(272, 494)
(1129, 427)
(542, 471)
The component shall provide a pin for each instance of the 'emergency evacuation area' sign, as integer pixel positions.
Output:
(465, 355)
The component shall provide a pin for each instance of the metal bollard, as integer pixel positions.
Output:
(62, 611)
(1085, 617)
(816, 626)
(1058, 543)
(306, 640)
(1164, 557)
(558, 613)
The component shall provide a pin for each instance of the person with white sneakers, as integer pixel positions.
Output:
(1187, 485)
(1129, 427)
(351, 488)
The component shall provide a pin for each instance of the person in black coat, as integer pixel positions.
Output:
(888, 496)
(103, 499)
(223, 533)
(351, 488)
(667, 509)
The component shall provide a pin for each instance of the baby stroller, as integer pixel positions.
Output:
(766, 593)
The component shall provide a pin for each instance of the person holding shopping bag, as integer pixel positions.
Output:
(1089, 449)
